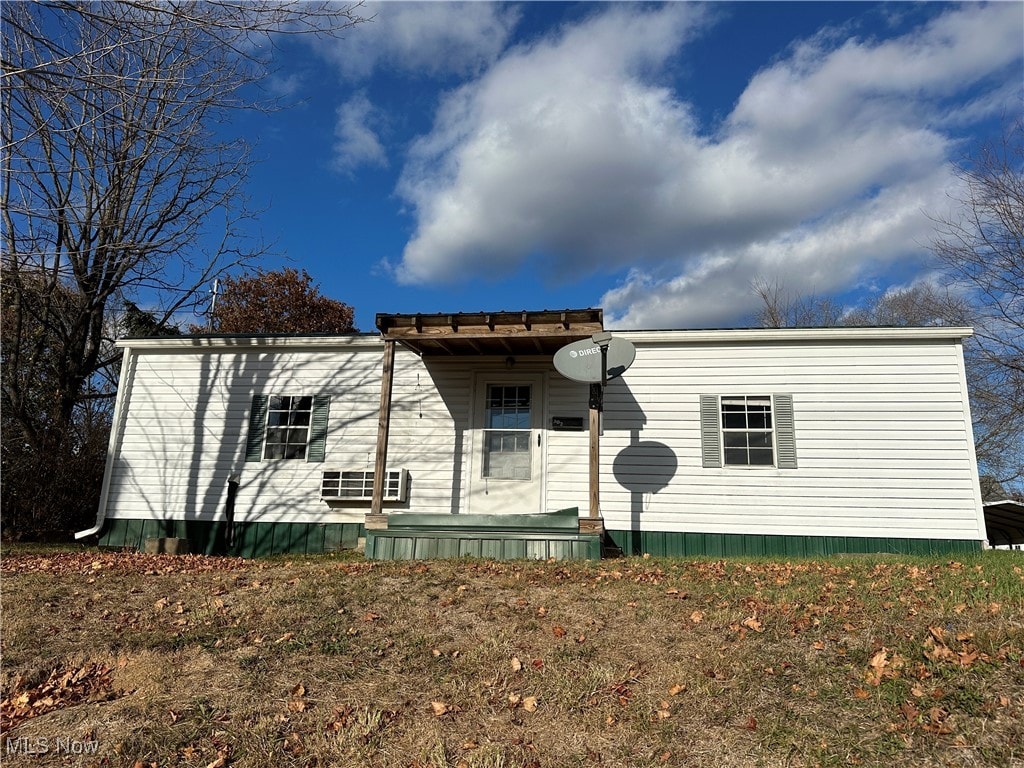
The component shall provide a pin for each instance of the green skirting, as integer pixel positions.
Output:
(668, 544)
(417, 539)
(251, 539)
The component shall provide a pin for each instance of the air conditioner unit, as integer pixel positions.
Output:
(357, 485)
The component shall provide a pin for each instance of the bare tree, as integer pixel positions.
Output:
(922, 304)
(981, 249)
(118, 181)
(781, 308)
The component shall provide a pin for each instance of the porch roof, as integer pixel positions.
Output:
(525, 332)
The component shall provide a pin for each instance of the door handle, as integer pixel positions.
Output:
(538, 439)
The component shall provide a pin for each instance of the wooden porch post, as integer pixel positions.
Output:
(383, 426)
(595, 462)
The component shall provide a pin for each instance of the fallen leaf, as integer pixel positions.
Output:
(697, 617)
(299, 690)
(530, 703)
(676, 689)
(558, 632)
(753, 623)
(440, 708)
(517, 665)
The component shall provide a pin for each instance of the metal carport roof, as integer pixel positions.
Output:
(1004, 521)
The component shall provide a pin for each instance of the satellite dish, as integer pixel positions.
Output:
(581, 360)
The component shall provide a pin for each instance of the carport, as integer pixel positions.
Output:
(1004, 522)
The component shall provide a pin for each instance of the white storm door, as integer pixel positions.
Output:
(507, 465)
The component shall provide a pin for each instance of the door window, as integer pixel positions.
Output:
(507, 432)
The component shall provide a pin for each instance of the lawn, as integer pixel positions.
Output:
(132, 660)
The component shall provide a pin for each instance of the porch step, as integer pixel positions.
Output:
(413, 536)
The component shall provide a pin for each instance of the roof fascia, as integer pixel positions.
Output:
(240, 343)
(800, 334)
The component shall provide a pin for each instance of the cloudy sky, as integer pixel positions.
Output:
(654, 160)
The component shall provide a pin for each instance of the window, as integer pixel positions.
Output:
(287, 427)
(507, 432)
(288, 420)
(747, 431)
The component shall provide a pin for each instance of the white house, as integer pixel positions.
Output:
(716, 442)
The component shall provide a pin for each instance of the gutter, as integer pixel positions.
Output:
(114, 441)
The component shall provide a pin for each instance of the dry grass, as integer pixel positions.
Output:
(636, 662)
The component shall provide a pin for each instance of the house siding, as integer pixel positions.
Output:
(882, 437)
(879, 428)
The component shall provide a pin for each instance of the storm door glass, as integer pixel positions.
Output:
(507, 425)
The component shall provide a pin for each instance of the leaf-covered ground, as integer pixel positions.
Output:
(134, 660)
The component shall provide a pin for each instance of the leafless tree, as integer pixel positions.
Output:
(119, 182)
(981, 250)
(781, 308)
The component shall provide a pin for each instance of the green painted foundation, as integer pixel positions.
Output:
(541, 537)
(667, 544)
(251, 539)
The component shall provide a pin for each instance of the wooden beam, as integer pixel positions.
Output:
(595, 462)
(383, 427)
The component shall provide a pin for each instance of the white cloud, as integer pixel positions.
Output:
(423, 38)
(356, 143)
(823, 257)
(573, 147)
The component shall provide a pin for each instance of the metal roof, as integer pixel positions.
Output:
(1004, 521)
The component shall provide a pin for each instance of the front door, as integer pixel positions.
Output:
(506, 463)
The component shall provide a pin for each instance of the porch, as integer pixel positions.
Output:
(504, 513)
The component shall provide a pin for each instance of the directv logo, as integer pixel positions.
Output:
(584, 352)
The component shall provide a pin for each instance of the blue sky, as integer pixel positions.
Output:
(654, 160)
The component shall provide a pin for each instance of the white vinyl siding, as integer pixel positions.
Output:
(186, 429)
(880, 426)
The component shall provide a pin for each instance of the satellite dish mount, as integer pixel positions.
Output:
(594, 361)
